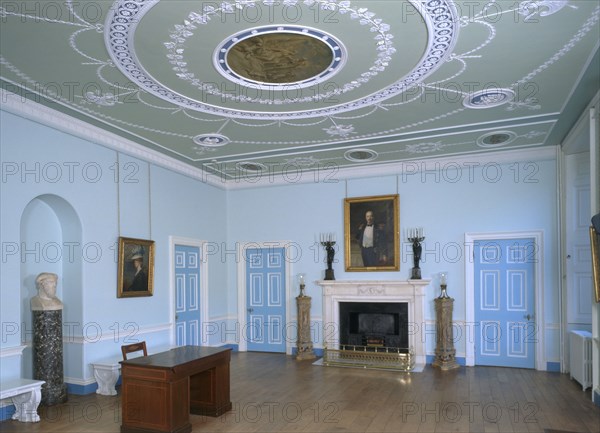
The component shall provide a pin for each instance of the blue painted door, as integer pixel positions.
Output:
(504, 300)
(187, 295)
(265, 299)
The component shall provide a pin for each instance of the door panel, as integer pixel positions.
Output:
(579, 262)
(187, 295)
(505, 302)
(265, 299)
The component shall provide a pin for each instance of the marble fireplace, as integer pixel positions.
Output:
(408, 293)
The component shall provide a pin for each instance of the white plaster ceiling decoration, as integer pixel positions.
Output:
(488, 98)
(360, 155)
(250, 86)
(251, 167)
(438, 17)
(496, 139)
(211, 140)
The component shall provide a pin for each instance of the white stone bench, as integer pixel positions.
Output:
(26, 395)
(107, 371)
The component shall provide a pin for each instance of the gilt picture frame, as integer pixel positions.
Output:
(135, 268)
(595, 247)
(371, 233)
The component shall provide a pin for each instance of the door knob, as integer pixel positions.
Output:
(529, 317)
(250, 310)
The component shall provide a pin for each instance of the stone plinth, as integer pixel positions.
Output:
(304, 343)
(445, 353)
(48, 355)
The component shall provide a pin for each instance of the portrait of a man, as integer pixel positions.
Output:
(371, 233)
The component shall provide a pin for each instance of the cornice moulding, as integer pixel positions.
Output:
(31, 110)
(409, 166)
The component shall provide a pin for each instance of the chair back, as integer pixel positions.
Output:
(134, 347)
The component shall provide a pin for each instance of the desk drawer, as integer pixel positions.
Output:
(144, 373)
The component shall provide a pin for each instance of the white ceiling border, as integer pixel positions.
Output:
(23, 107)
(331, 173)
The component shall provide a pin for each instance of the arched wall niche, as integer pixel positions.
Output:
(51, 241)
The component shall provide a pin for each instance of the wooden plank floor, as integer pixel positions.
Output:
(275, 393)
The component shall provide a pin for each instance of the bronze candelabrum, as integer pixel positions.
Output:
(328, 241)
(415, 237)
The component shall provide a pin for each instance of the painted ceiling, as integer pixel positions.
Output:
(241, 87)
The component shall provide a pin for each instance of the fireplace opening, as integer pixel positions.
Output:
(374, 324)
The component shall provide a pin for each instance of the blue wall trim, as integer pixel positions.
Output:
(233, 347)
(596, 398)
(7, 412)
(81, 389)
(460, 360)
(86, 389)
(317, 352)
(553, 367)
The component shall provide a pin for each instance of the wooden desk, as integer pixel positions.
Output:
(160, 391)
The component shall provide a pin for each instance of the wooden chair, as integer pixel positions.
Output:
(134, 347)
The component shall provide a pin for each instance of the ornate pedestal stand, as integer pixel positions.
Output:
(304, 343)
(445, 353)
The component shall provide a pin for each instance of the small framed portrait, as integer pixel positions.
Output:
(371, 233)
(136, 268)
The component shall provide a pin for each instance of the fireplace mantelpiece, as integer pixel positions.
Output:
(409, 291)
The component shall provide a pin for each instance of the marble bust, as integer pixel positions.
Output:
(46, 299)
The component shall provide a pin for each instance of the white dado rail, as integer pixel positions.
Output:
(409, 291)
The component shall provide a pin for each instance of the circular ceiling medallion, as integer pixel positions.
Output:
(496, 139)
(280, 56)
(438, 20)
(488, 98)
(211, 140)
(252, 167)
(360, 155)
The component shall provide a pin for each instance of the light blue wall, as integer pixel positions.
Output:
(447, 201)
(148, 201)
(141, 201)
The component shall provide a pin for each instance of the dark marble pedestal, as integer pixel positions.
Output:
(48, 355)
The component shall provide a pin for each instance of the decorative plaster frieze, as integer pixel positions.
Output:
(39, 113)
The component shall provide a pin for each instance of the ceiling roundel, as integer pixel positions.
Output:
(488, 98)
(439, 18)
(211, 140)
(279, 56)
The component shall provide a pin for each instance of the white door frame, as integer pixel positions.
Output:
(470, 239)
(241, 287)
(176, 240)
